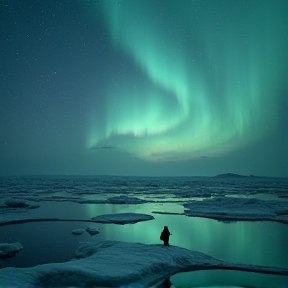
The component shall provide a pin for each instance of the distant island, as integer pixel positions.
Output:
(233, 175)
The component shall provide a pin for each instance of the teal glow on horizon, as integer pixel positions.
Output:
(206, 77)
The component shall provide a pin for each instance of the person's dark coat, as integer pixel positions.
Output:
(165, 236)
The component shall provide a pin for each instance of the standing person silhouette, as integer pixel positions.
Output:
(165, 234)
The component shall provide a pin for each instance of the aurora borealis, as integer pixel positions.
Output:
(144, 87)
(210, 75)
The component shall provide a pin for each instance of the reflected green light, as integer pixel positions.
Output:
(212, 76)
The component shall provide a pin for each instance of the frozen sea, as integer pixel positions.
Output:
(237, 219)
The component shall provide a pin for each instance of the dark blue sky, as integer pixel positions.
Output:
(144, 87)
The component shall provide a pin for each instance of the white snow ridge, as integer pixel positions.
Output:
(115, 264)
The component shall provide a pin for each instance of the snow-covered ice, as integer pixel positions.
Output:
(122, 218)
(220, 208)
(136, 189)
(10, 249)
(232, 208)
(112, 263)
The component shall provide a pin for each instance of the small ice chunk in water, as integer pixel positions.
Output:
(92, 231)
(78, 231)
(10, 249)
(13, 203)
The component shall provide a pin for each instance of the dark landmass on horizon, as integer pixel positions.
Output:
(223, 175)
(234, 175)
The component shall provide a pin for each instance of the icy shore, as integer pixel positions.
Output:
(111, 264)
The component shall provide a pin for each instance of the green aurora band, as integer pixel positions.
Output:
(212, 72)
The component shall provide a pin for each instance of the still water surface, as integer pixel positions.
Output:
(259, 243)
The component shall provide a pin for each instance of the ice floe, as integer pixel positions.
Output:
(122, 218)
(10, 249)
(92, 231)
(78, 231)
(17, 203)
(118, 218)
(233, 209)
(114, 264)
(8, 219)
(121, 199)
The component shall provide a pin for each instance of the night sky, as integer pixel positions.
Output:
(144, 87)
